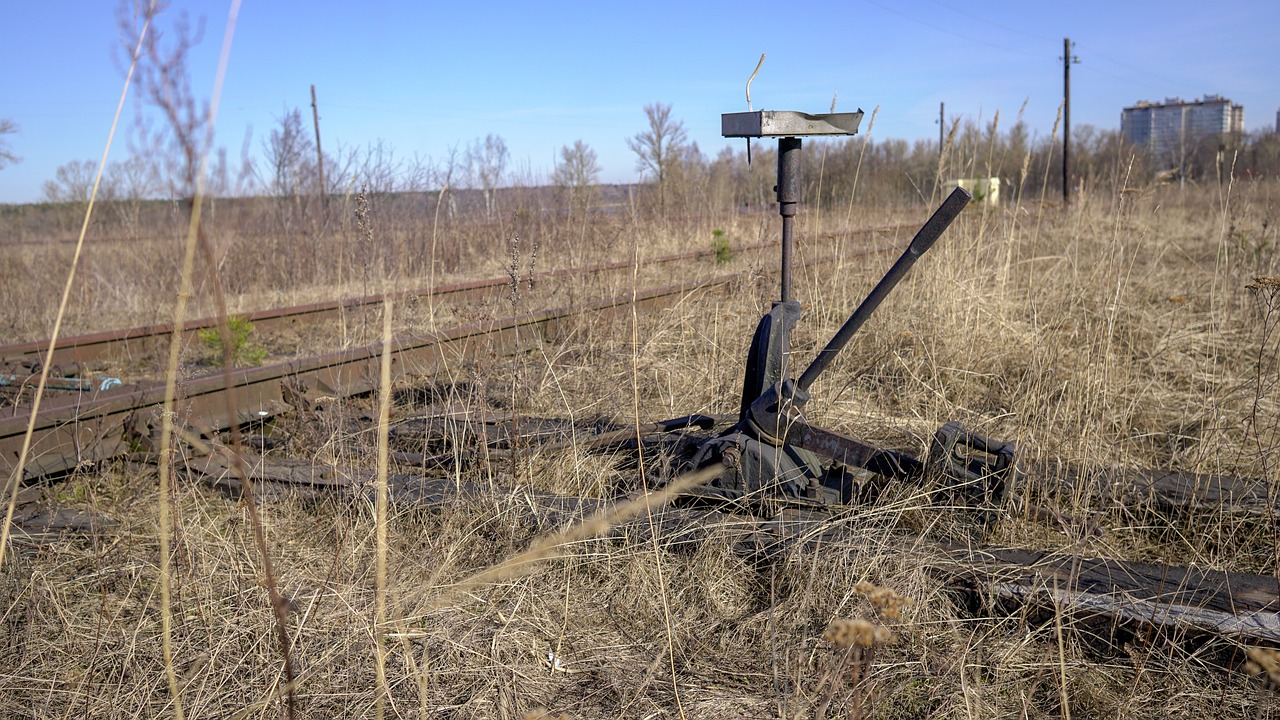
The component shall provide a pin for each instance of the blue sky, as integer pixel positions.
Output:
(425, 76)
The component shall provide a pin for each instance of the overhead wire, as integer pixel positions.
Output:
(1006, 28)
(1088, 49)
(1183, 84)
(952, 33)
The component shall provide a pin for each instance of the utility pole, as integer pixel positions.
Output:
(942, 123)
(315, 116)
(1067, 61)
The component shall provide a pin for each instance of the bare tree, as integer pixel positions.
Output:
(290, 170)
(7, 156)
(417, 174)
(289, 153)
(577, 174)
(163, 81)
(446, 173)
(127, 185)
(340, 169)
(71, 183)
(380, 170)
(130, 179)
(659, 148)
(688, 176)
(486, 164)
(578, 166)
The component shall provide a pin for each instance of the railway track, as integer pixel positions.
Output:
(86, 427)
(73, 353)
(73, 430)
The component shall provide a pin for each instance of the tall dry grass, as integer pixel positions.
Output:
(1119, 332)
(1122, 331)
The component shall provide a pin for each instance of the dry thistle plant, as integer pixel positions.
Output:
(365, 244)
(887, 603)
(533, 262)
(853, 643)
(853, 647)
(1265, 662)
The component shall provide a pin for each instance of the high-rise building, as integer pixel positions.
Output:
(1171, 130)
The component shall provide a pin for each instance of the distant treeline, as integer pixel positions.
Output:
(280, 192)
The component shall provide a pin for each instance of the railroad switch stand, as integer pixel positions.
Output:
(772, 453)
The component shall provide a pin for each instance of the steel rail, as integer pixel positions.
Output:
(139, 341)
(70, 431)
(87, 428)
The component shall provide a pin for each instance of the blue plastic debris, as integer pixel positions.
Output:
(99, 383)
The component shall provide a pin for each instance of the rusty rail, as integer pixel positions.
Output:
(70, 431)
(84, 428)
(139, 341)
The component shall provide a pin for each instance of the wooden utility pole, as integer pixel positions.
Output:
(942, 123)
(315, 116)
(1067, 61)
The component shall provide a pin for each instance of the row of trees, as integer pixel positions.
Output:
(864, 169)
(677, 174)
(289, 167)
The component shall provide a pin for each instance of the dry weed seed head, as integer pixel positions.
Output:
(888, 604)
(513, 267)
(533, 262)
(362, 215)
(1264, 661)
(846, 633)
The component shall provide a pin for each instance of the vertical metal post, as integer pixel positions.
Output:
(1066, 120)
(788, 190)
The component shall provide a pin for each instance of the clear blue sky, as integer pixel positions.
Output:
(424, 76)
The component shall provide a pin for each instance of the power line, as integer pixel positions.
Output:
(1090, 49)
(1163, 78)
(1006, 28)
(952, 33)
(1094, 69)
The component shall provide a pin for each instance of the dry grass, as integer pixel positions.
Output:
(1120, 332)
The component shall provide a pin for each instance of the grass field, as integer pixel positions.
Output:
(1128, 330)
